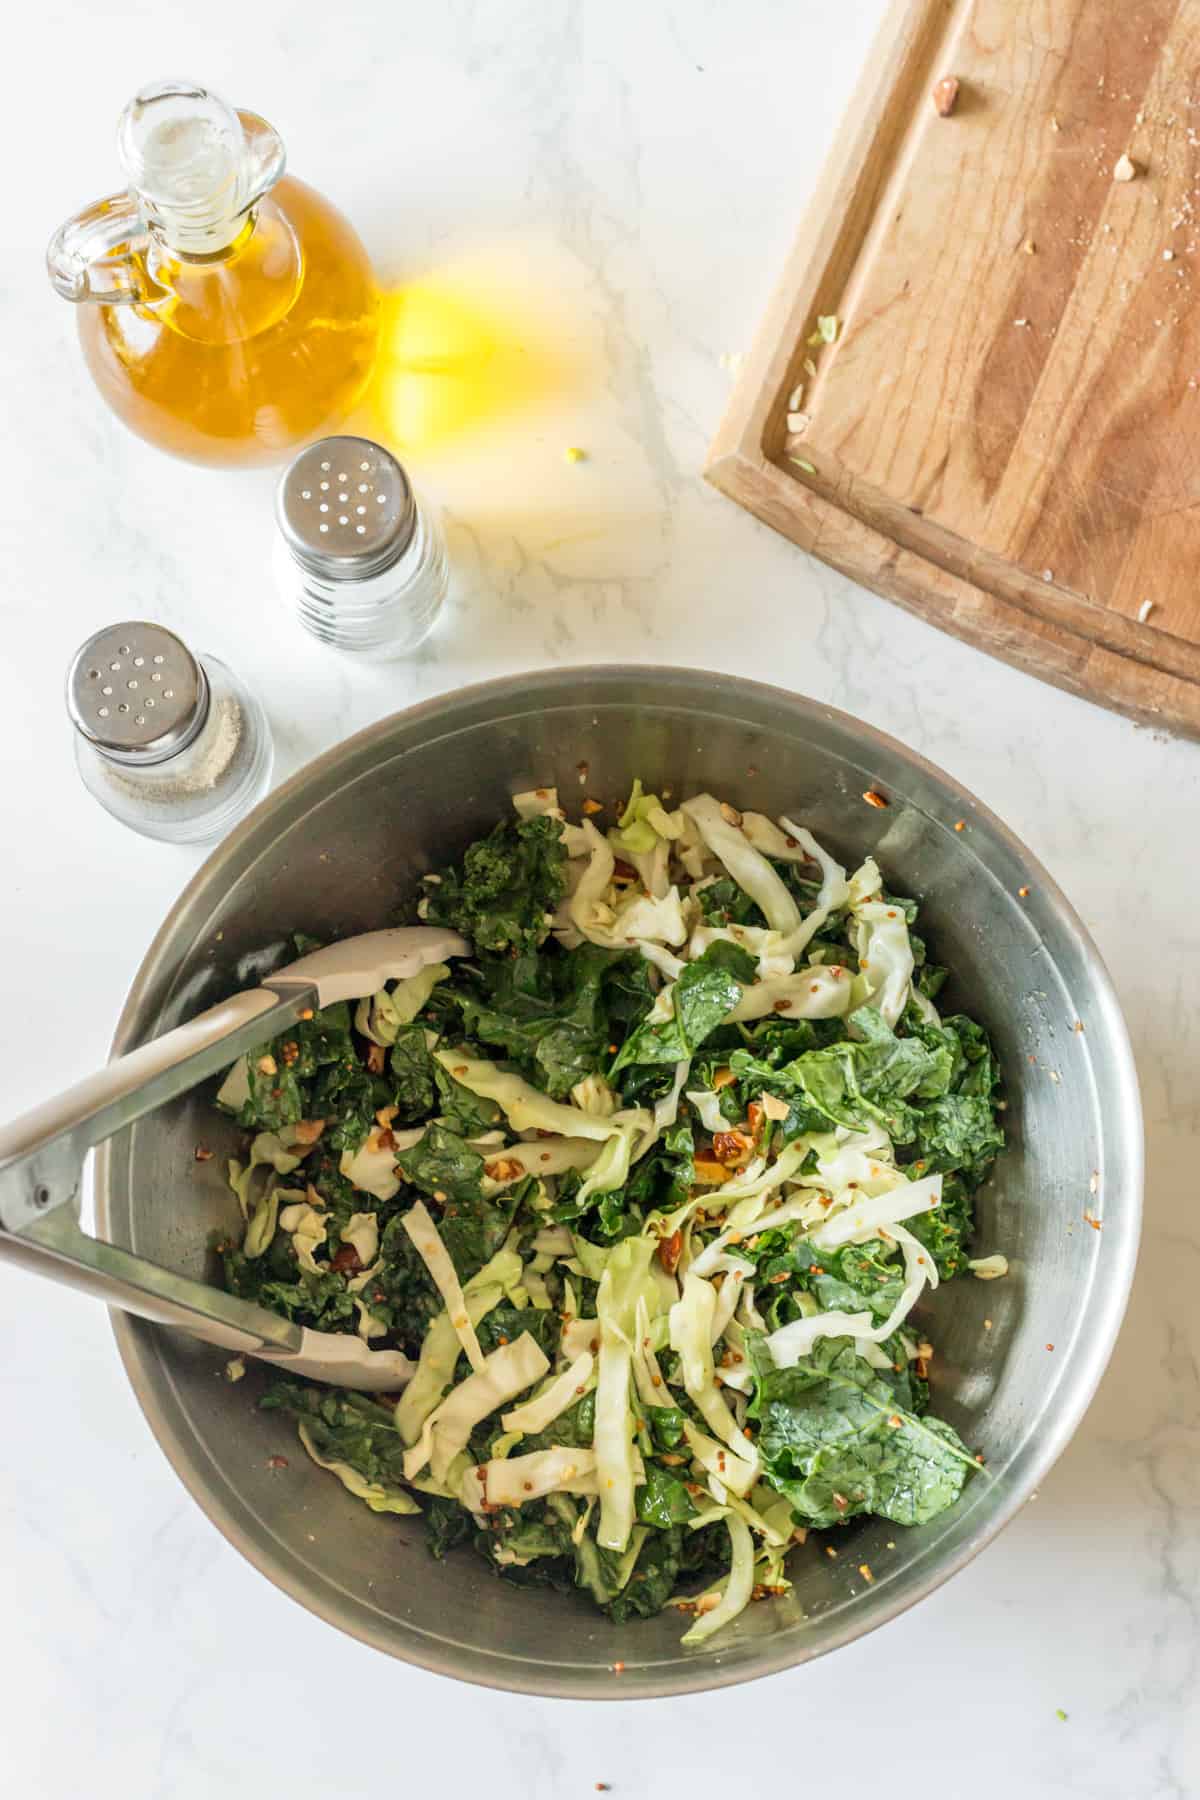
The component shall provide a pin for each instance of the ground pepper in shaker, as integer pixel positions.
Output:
(359, 559)
(173, 745)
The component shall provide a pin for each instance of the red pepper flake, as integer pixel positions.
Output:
(1090, 1219)
(618, 1668)
(201, 1154)
(874, 798)
(960, 824)
(864, 1570)
(277, 1462)
(841, 1502)
(1022, 893)
(830, 1551)
(1049, 1346)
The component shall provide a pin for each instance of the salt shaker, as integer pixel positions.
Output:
(358, 558)
(173, 745)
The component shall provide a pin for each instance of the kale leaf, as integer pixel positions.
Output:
(414, 1074)
(959, 1131)
(663, 1500)
(447, 1525)
(547, 1012)
(652, 1582)
(443, 1165)
(704, 995)
(836, 1441)
(857, 1081)
(508, 883)
(344, 1427)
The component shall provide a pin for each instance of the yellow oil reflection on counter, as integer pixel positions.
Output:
(454, 362)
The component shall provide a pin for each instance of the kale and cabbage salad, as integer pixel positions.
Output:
(648, 1188)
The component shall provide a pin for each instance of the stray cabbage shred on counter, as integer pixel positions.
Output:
(650, 1188)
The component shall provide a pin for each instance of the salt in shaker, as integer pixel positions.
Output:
(173, 745)
(359, 559)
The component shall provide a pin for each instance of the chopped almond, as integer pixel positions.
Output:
(376, 1058)
(503, 1168)
(386, 1114)
(590, 808)
(307, 1131)
(773, 1107)
(669, 1251)
(722, 1079)
(945, 96)
(732, 1147)
(709, 1172)
(267, 1065)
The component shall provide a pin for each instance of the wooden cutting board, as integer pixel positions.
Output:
(1004, 434)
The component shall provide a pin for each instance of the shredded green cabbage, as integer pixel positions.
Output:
(645, 1187)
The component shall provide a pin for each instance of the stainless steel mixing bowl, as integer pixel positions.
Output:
(333, 850)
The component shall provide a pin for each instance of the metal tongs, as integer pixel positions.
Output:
(42, 1157)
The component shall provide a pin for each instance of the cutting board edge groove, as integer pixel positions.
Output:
(759, 487)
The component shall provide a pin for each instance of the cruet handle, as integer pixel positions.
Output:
(92, 256)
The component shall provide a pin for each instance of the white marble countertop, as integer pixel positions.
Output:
(596, 194)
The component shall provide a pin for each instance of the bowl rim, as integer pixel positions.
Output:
(701, 1672)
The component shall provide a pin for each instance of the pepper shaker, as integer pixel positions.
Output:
(173, 745)
(359, 559)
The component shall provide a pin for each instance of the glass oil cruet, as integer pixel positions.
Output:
(227, 312)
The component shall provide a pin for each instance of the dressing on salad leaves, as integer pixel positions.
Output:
(649, 1187)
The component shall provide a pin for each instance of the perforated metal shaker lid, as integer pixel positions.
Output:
(136, 692)
(346, 509)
